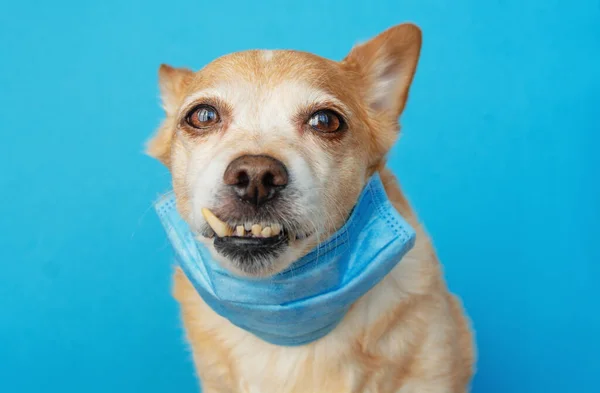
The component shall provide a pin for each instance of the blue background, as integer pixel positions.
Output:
(498, 154)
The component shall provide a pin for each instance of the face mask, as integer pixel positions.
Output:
(307, 300)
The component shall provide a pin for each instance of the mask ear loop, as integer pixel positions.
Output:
(347, 232)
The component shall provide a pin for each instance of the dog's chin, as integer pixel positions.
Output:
(258, 258)
(252, 256)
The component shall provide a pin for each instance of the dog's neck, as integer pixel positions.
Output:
(396, 196)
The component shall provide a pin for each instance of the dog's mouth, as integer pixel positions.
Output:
(247, 243)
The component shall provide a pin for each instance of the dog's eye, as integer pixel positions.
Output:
(325, 121)
(203, 116)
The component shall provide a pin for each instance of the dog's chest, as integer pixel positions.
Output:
(303, 372)
(296, 373)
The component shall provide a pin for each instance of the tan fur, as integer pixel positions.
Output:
(408, 334)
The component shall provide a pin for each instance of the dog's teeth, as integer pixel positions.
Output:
(221, 229)
(266, 232)
(276, 229)
(248, 226)
(240, 231)
(256, 229)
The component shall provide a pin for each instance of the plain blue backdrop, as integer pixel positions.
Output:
(499, 155)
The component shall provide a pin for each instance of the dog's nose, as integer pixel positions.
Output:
(256, 178)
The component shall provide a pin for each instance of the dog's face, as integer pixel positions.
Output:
(269, 150)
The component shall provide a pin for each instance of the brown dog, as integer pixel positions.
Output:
(321, 128)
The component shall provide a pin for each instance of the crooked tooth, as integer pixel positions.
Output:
(240, 231)
(248, 226)
(256, 229)
(276, 229)
(220, 228)
(266, 232)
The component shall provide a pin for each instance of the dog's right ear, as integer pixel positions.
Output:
(172, 83)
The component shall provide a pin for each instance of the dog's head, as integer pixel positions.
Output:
(269, 150)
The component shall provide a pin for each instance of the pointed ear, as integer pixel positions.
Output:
(172, 83)
(387, 64)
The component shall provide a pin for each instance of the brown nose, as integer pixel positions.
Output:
(256, 179)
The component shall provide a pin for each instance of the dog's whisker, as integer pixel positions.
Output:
(144, 214)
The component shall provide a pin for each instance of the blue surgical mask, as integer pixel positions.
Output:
(309, 299)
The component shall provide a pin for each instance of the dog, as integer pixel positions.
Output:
(317, 130)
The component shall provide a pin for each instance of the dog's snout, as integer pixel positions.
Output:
(256, 178)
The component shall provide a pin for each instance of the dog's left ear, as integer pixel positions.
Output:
(387, 64)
